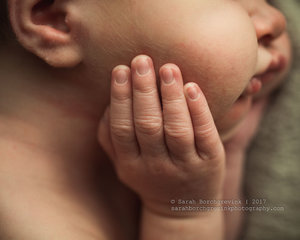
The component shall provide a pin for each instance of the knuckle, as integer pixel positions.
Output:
(205, 131)
(214, 160)
(212, 150)
(121, 129)
(142, 90)
(124, 98)
(177, 131)
(173, 99)
(204, 155)
(202, 113)
(148, 125)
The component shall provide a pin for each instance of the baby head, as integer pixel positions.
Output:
(229, 47)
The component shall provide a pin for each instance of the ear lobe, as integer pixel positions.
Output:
(42, 27)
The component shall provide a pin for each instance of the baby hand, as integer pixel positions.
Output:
(162, 149)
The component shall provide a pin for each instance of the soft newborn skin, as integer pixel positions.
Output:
(218, 44)
(204, 46)
(50, 116)
(215, 44)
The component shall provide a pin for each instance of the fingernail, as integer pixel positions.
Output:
(121, 77)
(142, 66)
(167, 76)
(193, 92)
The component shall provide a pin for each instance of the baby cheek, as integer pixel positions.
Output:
(220, 75)
(230, 64)
(227, 54)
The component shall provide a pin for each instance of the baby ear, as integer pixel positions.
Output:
(44, 28)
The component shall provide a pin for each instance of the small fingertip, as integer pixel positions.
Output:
(140, 57)
(167, 76)
(192, 91)
(170, 73)
(121, 67)
(120, 74)
(170, 65)
(142, 65)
